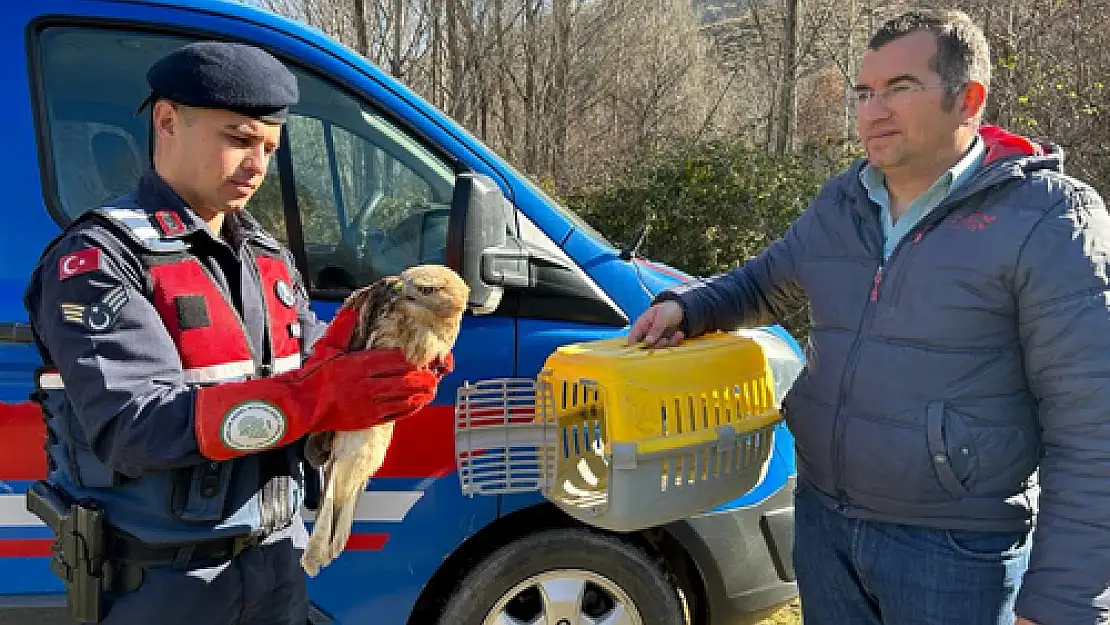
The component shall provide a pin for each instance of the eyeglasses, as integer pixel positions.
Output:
(890, 95)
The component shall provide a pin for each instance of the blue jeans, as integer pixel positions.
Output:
(856, 572)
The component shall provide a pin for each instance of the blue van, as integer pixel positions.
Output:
(370, 179)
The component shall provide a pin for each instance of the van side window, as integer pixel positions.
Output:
(372, 199)
(92, 83)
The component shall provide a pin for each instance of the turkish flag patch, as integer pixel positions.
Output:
(78, 263)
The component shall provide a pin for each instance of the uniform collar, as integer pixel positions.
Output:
(176, 220)
(240, 227)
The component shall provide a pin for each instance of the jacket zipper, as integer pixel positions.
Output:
(845, 377)
(938, 214)
(267, 521)
(266, 362)
(213, 468)
(273, 492)
(848, 375)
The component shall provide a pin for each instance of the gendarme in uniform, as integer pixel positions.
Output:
(133, 306)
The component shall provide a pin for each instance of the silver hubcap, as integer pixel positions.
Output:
(564, 597)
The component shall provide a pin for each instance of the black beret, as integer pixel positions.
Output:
(231, 76)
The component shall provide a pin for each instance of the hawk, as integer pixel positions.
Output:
(418, 311)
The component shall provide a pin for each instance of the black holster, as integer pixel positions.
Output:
(79, 554)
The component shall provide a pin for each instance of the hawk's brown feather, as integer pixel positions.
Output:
(420, 313)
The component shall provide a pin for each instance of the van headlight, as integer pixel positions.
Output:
(784, 361)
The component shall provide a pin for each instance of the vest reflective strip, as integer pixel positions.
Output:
(287, 363)
(219, 373)
(225, 372)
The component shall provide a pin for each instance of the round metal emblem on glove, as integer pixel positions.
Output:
(284, 293)
(252, 425)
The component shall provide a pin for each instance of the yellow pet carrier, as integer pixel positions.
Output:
(626, 438)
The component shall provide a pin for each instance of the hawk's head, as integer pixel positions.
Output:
(419, 311)
(435, 288)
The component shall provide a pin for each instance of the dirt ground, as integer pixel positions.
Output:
(788, 615)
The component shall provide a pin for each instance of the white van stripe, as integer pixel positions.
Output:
(381, 506)
(376, 506)
(13, 512)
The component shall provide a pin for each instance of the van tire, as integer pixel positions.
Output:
(578, 553)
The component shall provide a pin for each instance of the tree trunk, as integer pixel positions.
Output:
(531, 161)
(503, 77)
(396, 68)
(362, 29)
(562, 52)
(435, 91)
(455, 52)
(785, 126)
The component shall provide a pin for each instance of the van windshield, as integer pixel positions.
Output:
(575, 219)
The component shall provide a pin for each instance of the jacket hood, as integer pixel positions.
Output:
(1001, 143)
(1009, 155)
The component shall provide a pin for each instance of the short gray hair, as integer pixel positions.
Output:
(962, 54)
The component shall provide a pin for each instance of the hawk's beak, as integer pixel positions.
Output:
(443, 365)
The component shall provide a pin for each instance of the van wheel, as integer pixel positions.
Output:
(565, 577)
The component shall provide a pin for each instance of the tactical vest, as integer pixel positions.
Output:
(213, 499)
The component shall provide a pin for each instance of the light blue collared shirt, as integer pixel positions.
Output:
(875, 182)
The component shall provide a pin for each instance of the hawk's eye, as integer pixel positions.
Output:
(426, 290)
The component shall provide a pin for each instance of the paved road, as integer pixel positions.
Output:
(50, 616)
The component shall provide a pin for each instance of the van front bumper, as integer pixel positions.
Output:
(745, 557)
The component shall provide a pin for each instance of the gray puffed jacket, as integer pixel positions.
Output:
(937, 384)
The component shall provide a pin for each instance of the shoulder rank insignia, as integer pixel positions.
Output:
(99, 315)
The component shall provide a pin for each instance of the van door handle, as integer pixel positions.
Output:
(15, 332)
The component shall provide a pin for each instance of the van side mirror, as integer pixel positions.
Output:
(480, 243)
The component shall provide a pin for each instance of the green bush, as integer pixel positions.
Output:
(708, 207)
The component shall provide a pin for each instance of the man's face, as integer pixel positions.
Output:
(215, 159)
(905, 124)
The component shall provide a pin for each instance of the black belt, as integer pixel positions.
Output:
(131, 550)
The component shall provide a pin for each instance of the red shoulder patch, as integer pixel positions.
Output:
(78, 263)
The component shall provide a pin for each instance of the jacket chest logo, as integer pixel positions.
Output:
(976, 222)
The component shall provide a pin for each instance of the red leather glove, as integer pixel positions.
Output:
(336, 390)
(337, 338)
